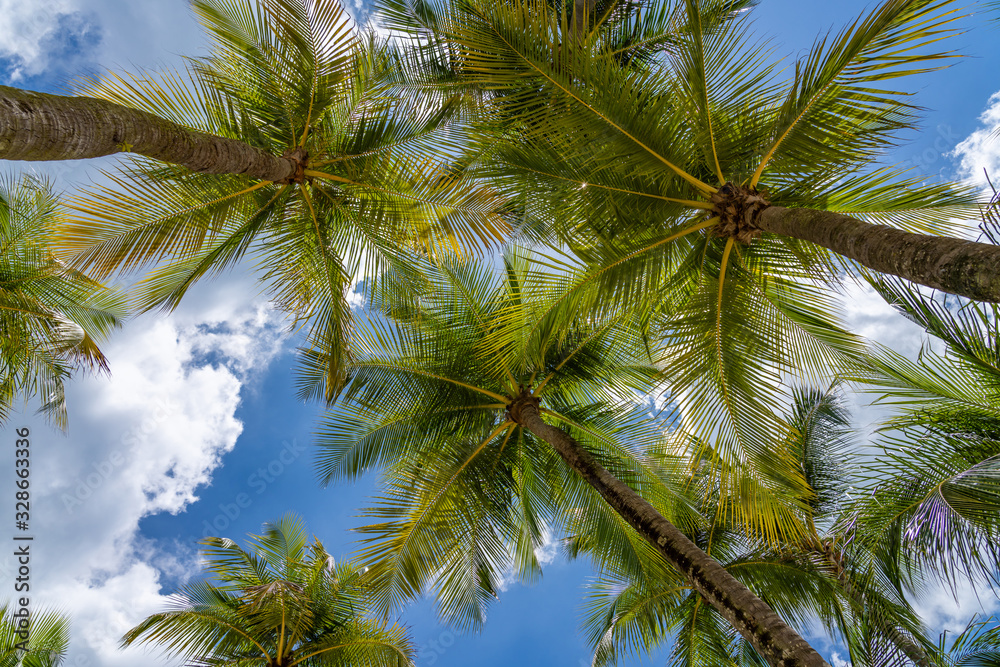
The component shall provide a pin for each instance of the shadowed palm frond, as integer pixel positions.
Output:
(52, 316)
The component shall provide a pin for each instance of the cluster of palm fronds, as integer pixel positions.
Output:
(574, 209)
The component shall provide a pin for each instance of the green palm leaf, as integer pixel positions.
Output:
(375, 180)
(283, 600)
(52, 316)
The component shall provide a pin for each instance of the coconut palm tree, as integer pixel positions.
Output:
(51, 316)
(287, 142)
(44, 645)
(591, 146)
(828, 570)
(708, 145)
(280, 602)
(476, 478)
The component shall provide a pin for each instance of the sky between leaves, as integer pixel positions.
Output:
(197, 431)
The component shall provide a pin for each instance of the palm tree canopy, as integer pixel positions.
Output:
(51, 316)
(622, 148)
(468, 491)
(281, 602)
(378, 171)
(939, 498)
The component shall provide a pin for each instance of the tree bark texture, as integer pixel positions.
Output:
(37, 126)
(776, 642)
(966, 268)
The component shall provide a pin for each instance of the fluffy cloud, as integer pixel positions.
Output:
(139, 443)
(942, 608)
(29, 29)
(979, 153)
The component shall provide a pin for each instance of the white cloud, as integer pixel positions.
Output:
(981, 150)
(140, 442)
(549, 549)
(25, 28)
(546, 554)
(838, 661)
(940, 608)
(867, 314)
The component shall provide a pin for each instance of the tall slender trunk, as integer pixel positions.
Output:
(37, 126)
(776, 642)
(952, 265)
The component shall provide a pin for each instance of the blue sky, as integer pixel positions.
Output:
(199, 416)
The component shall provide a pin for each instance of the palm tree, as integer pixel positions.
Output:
(439, 399)
(281, 602)
(51, 316)
(726, 320)
(935, 487)
(829, 569)
(621, 160)
(45, 644)
(288, 141)
(706, 145)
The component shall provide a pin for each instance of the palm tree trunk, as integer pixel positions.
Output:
(37, 126)
(776, 642)
(952, 265)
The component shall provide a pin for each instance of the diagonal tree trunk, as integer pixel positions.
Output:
(37, 126)
(966, 268)
(779, 644)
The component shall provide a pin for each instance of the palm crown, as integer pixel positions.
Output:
(469, 492)
(292, 78)
(281, 602)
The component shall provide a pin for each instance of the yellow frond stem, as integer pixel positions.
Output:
(760, 169)
(312, 101)
(281, 633)
(312, 213)
(703, 187)
(722, 270)
(718, 317)
(328, 177)
(486, 392)
(705, 206)
(711, 222)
